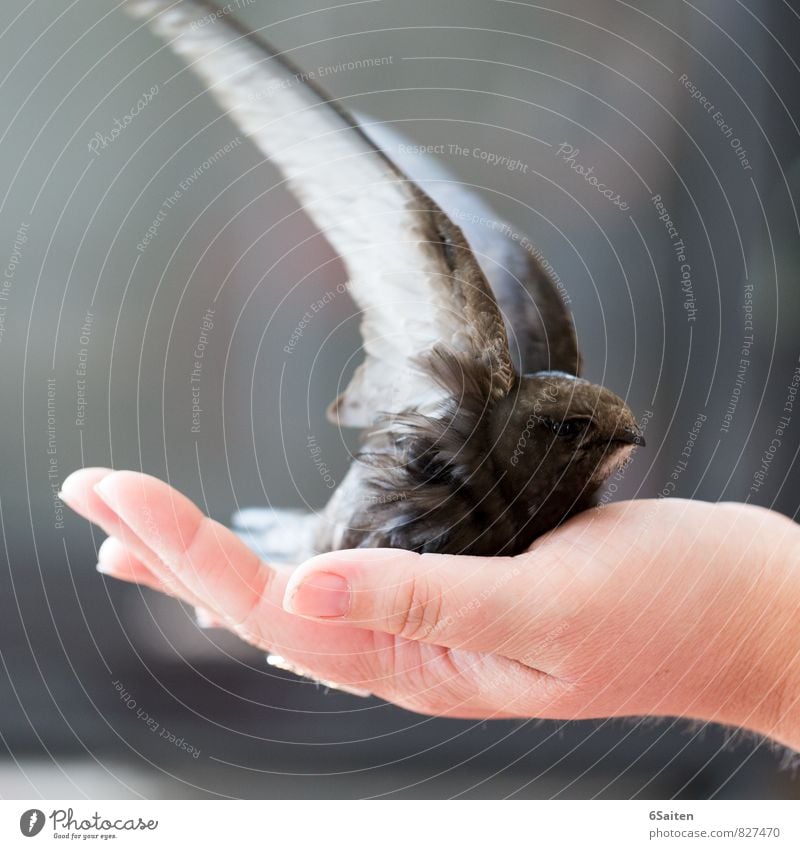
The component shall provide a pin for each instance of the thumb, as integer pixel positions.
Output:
(492, 604)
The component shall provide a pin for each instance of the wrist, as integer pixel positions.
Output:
(780, 716)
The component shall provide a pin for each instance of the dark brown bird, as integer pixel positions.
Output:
(478, 434)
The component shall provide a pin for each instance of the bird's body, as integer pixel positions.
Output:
(478, 434)
(478, 479)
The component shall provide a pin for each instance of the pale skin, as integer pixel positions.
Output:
(651, 607)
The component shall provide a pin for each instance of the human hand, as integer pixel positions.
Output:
(664, 607)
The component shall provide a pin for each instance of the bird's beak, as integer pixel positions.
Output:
(630, 436)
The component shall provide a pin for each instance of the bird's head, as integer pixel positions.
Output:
(564, 436)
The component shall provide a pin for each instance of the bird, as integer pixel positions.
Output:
(478, 434)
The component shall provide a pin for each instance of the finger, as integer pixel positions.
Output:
(78, 492)
(272, 628)
(499, 604)
(117, 561)
(220, 572)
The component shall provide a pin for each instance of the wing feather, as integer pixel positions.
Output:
(540, 329)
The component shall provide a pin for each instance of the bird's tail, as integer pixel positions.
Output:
(278, 536)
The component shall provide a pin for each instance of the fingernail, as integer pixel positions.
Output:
(110, 550)
(322, 595)
(74, 486)
(104, 569)
(204, 619)
(66, 493)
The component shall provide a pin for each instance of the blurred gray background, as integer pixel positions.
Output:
(98, 339)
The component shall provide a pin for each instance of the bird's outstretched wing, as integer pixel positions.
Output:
(411, 272)
(540, 327)
(541, 332)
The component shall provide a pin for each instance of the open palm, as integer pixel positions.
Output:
(647, 607)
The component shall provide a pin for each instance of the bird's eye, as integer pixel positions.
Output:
(571, 428)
